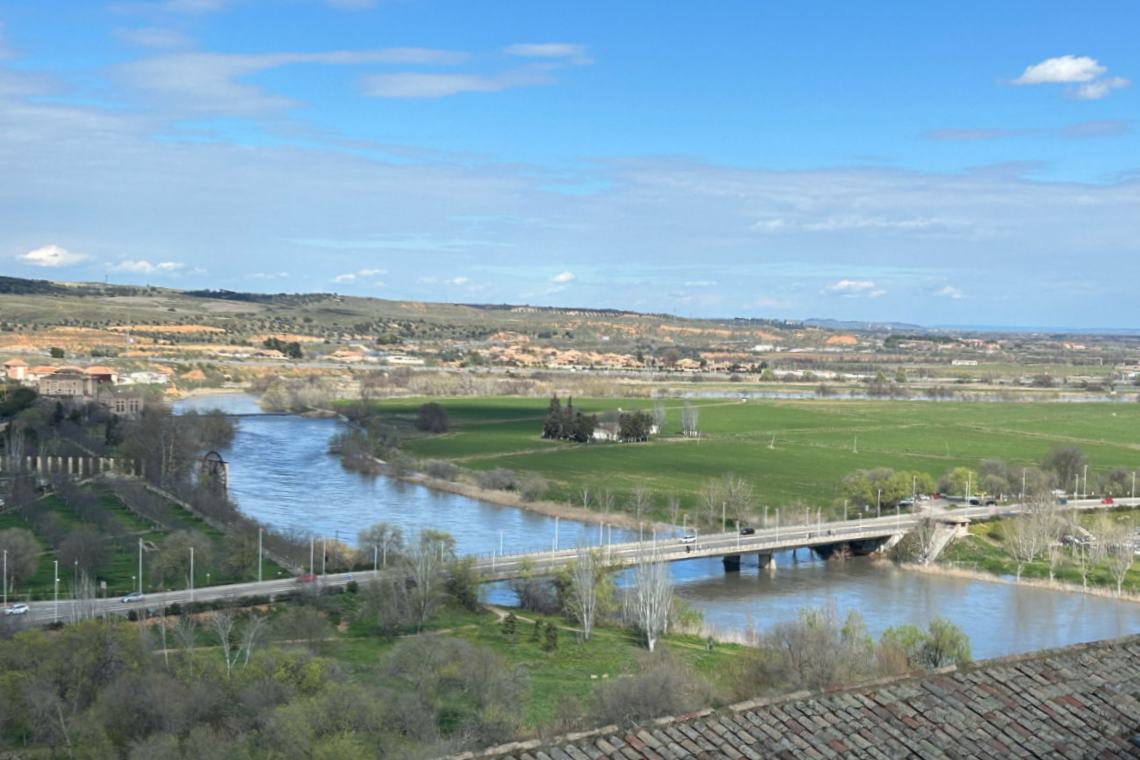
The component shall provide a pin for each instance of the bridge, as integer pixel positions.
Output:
(828, 539)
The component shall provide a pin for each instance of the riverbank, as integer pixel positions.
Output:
(560, 510)
(946, 571)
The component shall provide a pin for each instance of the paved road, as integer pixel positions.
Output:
(764, 541)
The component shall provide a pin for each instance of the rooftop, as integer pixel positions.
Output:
(1076, 702)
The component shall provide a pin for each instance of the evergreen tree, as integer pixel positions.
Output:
(551, 641)
(552, 424)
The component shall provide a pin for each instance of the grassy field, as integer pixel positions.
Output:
(792, 452)
(574, 669)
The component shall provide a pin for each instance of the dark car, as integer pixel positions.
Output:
(747, 531)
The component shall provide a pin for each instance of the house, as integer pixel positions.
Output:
(67, 382)
(101, 375)
(16, 369)
(123, 406)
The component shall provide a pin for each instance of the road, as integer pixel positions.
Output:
(669, 549)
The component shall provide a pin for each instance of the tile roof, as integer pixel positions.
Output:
(1077, 702)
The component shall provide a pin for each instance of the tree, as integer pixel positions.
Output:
(960, 481)
(550, 637)
(1119, 553)
(23, 555)
(386, 539)
(84, 548)
(652, 598)
(640, 499)
(659, 416)
(56, 352)
(584, 576)
(423, 564)
(634, 426)
(817, 650)
(432, 418)
(689, 417)
(945, 644)
(552, 423)
(1067, 462)
(1030, 532)
(173, 560)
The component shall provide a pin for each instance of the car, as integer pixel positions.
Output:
(1108, 500)
(307, 578)
(688, 538)
(974, 501)
(134, 596)
(747, 531)
(17, 609)
(906, 503)
(991, 502)
(924, 497)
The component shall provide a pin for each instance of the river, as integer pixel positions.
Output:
(281, 474)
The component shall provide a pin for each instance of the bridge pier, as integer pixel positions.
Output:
(731, 563)
(766, 561)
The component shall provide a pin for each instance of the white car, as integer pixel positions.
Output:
(134, 596)
(688, 539)
(17, 609)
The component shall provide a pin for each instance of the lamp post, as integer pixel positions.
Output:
(375, 560)
(191, 573)
(879, 504)
(312, 548)
(1085, 492)
(5, 578)
(259, 532)
(140, 566)
(55, 575)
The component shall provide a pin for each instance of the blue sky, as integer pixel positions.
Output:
(935, 163)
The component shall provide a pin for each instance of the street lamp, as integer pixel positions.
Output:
(56, 576)
(5, 578)
(191, 573)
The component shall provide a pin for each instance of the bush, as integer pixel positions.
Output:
(664, 687)
(533, 487)
(498, 479)
(432, 418)
(440, 469)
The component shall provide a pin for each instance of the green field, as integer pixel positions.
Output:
(792, 452)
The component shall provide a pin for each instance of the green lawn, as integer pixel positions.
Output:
(574, 669)
(790, 451)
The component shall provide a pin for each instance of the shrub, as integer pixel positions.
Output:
(664, 687)
(432, 418)
(440, 469)
(533, 487)
(498, 479)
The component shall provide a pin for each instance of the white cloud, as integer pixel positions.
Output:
(212, 81)
(426, 85)
(700, 283)
(52, 256)
(563, 277)
(459, 280)
(1083, 71)
(1064, 69)
(359, 275)
(855, 289)
(1098, 89)
(142, 266)
(154, 37)
(268, 275)
(567, 51)
(949, 291)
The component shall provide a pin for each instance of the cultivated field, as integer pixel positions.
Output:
(792, 452)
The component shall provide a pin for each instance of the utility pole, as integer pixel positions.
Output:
(140, 566)
(6, 576)
(191, 573)
(55, 575)
(259, 532)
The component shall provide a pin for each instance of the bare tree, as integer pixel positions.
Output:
(84, 600)
(640, 499)
(689, 418)
(583, 601)
(584, 495)
(224, 628)
(606, 501)
(659, 416)
(423, 562)
(674, 508)
(1030, 532)
(1119, 553)
(652, 598)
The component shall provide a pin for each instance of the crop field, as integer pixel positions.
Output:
(791, 452)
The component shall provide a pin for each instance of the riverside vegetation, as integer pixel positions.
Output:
(411, 664)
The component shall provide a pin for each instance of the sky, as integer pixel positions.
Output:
(937, 163)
